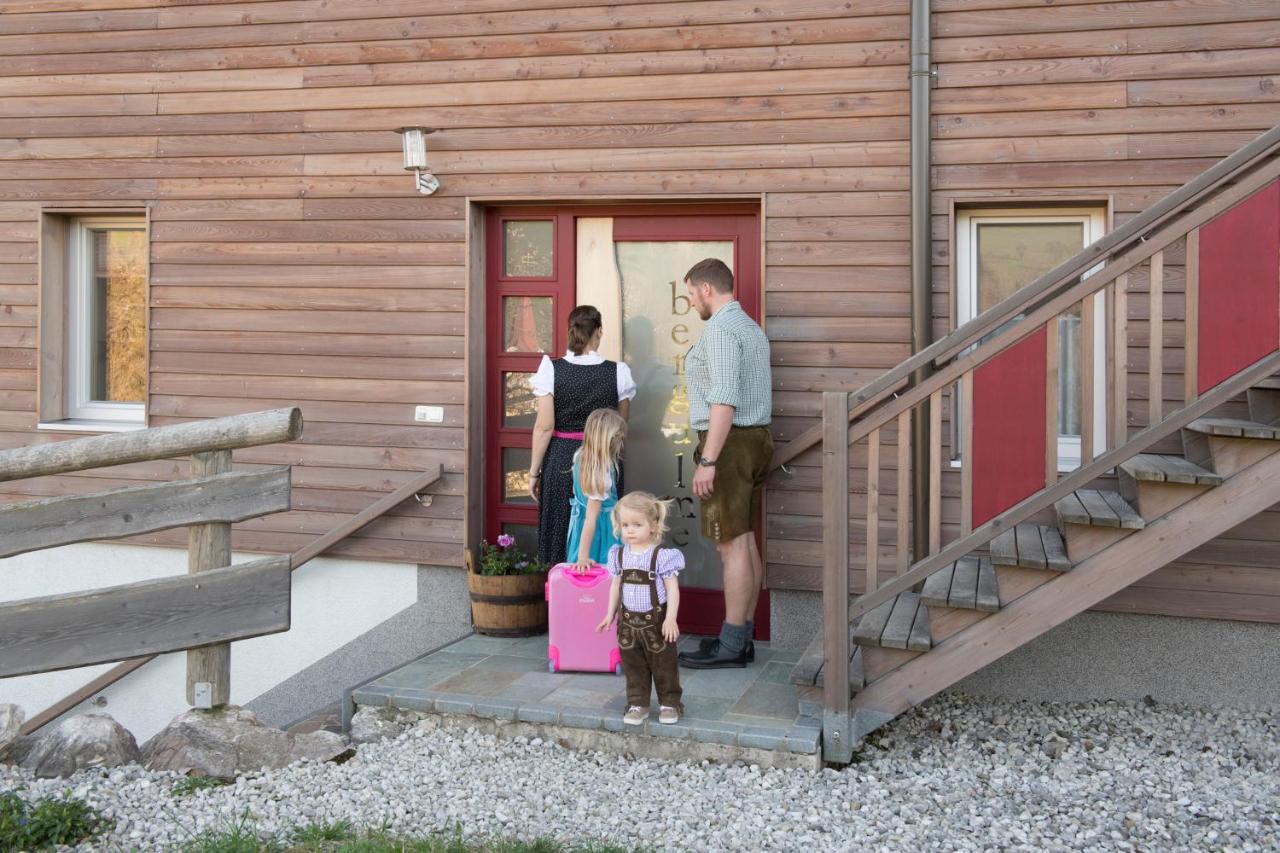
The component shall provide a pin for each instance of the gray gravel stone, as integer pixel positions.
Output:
(955, 774)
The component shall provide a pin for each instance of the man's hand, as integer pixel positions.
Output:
(704, 482)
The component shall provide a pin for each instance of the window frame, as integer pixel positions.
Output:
(1094, 220)
(66, 323)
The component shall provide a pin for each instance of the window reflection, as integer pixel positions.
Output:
(515, 475)
(519, 406)
(527, 324)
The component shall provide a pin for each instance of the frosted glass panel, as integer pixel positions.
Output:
(658, 329)
(527, 324)
(526, 248)
(519, 406)
(515, 475)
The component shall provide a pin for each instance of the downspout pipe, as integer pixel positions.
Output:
(921, 263)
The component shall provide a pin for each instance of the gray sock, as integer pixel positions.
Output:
(733, 638)
(751, 630)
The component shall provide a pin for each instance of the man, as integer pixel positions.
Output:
(730, 401)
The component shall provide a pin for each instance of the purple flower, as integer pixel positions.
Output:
(506, 541)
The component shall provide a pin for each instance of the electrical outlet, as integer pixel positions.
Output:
(428, 414)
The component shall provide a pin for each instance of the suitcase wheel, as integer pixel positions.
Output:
(551, 666)
(617, 669)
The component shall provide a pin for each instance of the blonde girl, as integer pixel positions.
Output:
(645, 598)
(595, 489)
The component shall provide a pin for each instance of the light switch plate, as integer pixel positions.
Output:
(428, 414)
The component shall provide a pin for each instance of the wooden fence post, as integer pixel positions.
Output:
(837, 740)
(209, 547)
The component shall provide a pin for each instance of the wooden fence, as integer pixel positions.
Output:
(202, 611)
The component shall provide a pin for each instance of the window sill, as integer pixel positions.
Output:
(79, 425)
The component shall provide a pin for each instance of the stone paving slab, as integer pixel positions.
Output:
(505, 680)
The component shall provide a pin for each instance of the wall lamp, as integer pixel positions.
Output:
(415, 157)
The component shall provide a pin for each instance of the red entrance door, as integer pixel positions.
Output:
(630, 263)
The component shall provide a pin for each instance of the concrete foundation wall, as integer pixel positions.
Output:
(1108, 656)
(351, 619)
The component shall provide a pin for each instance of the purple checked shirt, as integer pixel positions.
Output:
(635, 597)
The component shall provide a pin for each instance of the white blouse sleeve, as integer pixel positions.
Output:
(544, 381)
(626, 385)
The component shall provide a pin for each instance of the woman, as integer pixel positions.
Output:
(568, 390)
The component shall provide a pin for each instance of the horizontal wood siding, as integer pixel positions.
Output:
(1115, 103)
(293, 264)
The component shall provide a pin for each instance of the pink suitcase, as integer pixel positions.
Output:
(575, 605)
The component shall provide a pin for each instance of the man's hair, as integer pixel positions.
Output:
(712, 271)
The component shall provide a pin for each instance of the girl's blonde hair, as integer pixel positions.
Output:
(645, 504)
(601, 448)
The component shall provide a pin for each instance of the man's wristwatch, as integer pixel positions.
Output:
(704, 462)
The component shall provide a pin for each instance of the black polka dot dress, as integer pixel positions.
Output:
(580, 389)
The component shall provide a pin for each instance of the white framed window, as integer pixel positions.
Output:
(94, 323)
(1000, 250)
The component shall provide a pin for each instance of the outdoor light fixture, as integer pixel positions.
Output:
(415, 157)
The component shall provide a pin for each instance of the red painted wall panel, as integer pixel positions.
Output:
(1239, 286)
(1009, 427)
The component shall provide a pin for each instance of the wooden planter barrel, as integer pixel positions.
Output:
(508, 605)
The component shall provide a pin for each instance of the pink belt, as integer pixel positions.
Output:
(576, 436)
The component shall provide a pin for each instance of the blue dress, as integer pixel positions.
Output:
(604, 538)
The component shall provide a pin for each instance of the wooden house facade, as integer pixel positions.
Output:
(251, 148)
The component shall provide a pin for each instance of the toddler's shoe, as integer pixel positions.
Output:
(668, 715)
(635, 715)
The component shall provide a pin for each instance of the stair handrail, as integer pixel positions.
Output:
(983, 352)
(1051, 284)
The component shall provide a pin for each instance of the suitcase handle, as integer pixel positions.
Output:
(588, 578)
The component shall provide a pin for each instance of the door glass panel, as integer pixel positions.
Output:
(658, 329)
(1012, 255)
(526, 536)
(515, 475)
(527, 248)
(519, 406)
(527, 324)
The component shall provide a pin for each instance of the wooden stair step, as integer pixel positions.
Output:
(1234, 428)
(1031, 546)
(1098, 509)
(808, 671)
(969, 583)
(899, 623)
(1271, 382)
(1162, 468)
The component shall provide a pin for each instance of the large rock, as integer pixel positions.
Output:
(11, 720)
(369, 725)
(228, 741)
(89, 740)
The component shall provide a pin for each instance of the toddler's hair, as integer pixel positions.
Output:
(642, 503)
(601, 446)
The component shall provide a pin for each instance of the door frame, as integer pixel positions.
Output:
(487, 359)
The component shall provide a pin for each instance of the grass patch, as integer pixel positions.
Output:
(47, 822)
(341, 837)
(189, 785)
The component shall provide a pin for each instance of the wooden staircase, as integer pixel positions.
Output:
(949, 609)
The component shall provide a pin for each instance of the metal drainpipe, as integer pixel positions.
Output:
(921, 263)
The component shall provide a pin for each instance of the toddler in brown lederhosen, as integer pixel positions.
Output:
(647, 593)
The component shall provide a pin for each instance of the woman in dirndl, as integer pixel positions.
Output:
(569, 389)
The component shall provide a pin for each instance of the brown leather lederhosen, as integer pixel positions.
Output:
(647, 658)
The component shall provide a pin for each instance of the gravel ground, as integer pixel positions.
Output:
(957, 774)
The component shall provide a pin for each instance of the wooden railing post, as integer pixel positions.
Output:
(209, 547)
(837, 740)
